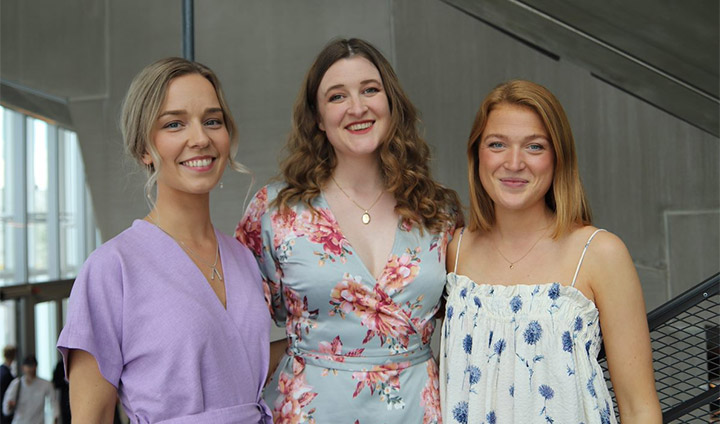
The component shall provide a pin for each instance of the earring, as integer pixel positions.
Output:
(221, 185)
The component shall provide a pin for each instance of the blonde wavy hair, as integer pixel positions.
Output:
(141, 109)
(403, 155)
(566, 196)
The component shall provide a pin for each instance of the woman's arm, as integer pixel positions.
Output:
(277, 350)
(619, 298)
(92, 397)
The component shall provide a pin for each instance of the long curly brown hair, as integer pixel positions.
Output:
(403, 155)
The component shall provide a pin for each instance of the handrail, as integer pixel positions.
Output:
(661, 314)
(688, 299)
(687, 306)
(690, 405)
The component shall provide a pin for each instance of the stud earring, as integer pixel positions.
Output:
(221, 185)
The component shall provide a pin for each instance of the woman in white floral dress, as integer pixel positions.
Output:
(533, 283)
(352, 249)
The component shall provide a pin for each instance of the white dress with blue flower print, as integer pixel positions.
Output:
(521, 354)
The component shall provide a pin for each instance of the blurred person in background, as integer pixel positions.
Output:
(6, 376)
(26, 395)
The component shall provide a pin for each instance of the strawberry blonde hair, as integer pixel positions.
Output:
(566, 196)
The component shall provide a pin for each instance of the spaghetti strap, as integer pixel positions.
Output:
(457, 252)
(577, 270)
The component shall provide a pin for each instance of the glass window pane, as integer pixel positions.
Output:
(5, 215)
(11, 228)
(45, 338)
(7, 324)
(72, 206)
(37, 199)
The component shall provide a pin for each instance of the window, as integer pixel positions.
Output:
(47, 228)
(46, 213)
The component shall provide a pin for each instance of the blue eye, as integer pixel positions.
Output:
(172, 125)
(335, 97)
(214, 122)
(495, 145)
(371, 90)
(536, 147)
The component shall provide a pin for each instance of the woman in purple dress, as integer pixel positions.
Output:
(170, 314)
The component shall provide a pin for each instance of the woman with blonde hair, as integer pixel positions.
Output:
(351, 246)
(533, 283)
(169, 314)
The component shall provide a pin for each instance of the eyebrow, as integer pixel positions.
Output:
(530, 137)
(183, 112)
(364, 82)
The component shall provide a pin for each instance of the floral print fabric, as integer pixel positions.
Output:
(359, 350)
(521, 354)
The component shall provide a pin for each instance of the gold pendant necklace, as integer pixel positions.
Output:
(366, 211)
(187, 248)
(512, 263)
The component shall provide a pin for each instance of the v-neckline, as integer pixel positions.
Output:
(221, 253)
(336, 224)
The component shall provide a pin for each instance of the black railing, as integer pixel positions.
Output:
(685, 336)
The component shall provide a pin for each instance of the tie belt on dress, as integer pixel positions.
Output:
(254, 413)
(361, 363)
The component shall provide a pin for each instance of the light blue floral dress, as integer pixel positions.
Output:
(521, 354)
(359, 347)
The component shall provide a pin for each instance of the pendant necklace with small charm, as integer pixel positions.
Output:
(512, 263)
(213, 267)
(366, 218)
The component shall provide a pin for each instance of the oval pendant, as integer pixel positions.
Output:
(366, 218)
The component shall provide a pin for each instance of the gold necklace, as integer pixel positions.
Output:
(366, 211)
(187, 248)
(512, 263)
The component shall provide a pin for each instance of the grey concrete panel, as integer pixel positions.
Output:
(693, 247)
(140, 32)
(654, 284)
(54, 46)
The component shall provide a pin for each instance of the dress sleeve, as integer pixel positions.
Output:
(94, 317)
(255, 231)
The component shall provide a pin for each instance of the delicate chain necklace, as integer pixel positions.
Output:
(187, 248)
(366, 211)
(512, 263)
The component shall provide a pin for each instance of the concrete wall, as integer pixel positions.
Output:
(651, 178)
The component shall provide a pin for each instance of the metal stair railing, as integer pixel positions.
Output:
(685, 336)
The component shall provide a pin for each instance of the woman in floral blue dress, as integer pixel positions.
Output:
(533, 283)
(352, 249)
